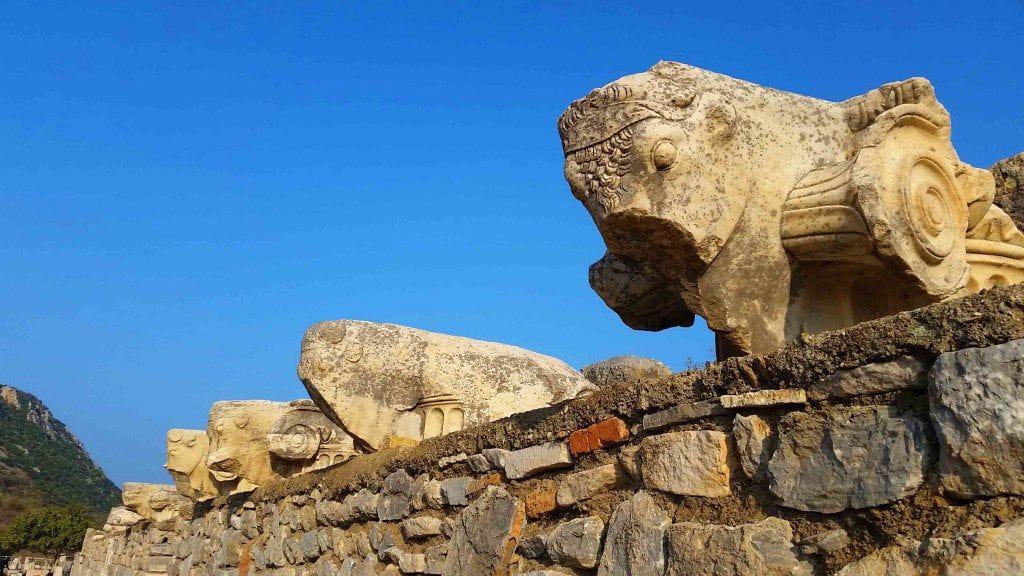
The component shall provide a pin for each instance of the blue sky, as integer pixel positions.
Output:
(185, 187)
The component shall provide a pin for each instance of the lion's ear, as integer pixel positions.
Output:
(721, 117)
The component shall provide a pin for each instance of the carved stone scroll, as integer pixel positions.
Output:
(773, 214)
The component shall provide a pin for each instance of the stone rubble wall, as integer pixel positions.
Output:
(35, 566)
(893, 447)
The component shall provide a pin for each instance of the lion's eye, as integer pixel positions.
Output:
(663, 156)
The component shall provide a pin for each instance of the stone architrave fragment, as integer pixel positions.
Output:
(848, 458)
(977, 403)
(903, 373)
(383, 380)
(239, 457)
(635, 541)
(303, 439)
(691, 463)
(762, 549)
(751, 434)
(485, 535)
(772, 214)
(159, 503)
(186, 463)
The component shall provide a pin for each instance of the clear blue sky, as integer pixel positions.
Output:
(185, 187)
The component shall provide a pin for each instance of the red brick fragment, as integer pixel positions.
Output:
(541, 502)
(604, 433)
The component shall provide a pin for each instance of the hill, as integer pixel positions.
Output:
(42, 463)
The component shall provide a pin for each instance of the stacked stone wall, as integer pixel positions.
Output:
(892, 447)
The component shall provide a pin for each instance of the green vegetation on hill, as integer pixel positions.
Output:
(50, 530)
(43, 464)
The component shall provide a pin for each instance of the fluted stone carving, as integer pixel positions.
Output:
(381, 380)
(303, 439)
(773, 214)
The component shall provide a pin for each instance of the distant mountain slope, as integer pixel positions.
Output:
(42, 462)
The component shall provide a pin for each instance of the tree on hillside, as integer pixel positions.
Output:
(51, 530)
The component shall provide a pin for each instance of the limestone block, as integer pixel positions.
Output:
(828, 542)
(576, 543)
(635, 542)
(751, 433)
(520, 464)
(583, 485)
(764, 548)
(762, 398)
(239, 457)
(455, 491)
(625, 370)
(377, 380)
(421, 527)
(977, 399)
(836, 212)
(848, 458)
(691, 463)
(187, 451)
(120, 518)
(485, 535)
(903, 373)
(395, 497)
(680, 413)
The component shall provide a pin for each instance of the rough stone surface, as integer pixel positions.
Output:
(905, 372)
(763, 549)
(454, 491)
(635, 542)
(751, 434)
(396, 497)
(828, 542)
(763, 398)
(485, 536)
(536, 459)
(583, 485)
(421, 527)
(848, 458)
(977, 408)
(691, 463)
(576, 543)
(381, 380)
(681, 413)
(625, 370)
(1009, 177)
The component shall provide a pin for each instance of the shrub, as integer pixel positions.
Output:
(51, 530)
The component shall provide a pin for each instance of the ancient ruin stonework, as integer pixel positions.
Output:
(590, 489)
(381, 380)
(773, 214)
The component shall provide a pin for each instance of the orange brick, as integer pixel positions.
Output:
(540, 502)
(591, 438)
